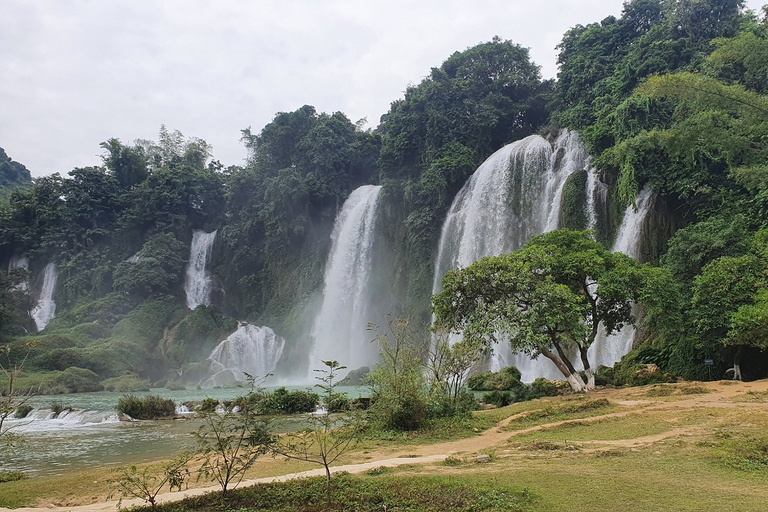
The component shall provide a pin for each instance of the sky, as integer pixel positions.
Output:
(75, 73)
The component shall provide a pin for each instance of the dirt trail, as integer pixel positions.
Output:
(633, 400)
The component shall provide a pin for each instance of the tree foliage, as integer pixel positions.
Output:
(548, 298)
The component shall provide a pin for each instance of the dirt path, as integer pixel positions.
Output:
(634, 400)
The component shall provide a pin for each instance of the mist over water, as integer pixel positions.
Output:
(250, 349)
(339, 329)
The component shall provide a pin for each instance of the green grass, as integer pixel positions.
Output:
(608, 429)
(377, 492)
(576, 408)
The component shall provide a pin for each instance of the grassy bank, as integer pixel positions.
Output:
(676, 447)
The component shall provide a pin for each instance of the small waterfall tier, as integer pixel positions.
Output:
(45, 309)
(23, 263)
(197, 283)
(514, 195)
(608, 350)
(250, 349)
(339, 330)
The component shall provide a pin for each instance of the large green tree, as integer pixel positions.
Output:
(550, 298)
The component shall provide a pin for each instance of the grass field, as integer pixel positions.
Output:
(676, 447)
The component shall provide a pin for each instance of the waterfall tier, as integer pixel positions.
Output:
(339, 330)
(45, 309)
(514, 195)
(250, 349)
(23, 263)
(607, 350)
(197, 283)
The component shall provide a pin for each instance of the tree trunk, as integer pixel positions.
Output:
(737, 363)
(327, 486)
(587, 368)
(574, 379)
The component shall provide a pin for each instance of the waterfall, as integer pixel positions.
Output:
(45, 309)
(197, 283)
(339, 330)
(250, 349)
(608, 350)
(20, 262)
(514, 195)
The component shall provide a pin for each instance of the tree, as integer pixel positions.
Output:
(230, 443)
(146, 483)
(549, 297)
(11, 397)
(13, 294)
(399, 397)
(728, 305)
(449, 365)
(328, 437)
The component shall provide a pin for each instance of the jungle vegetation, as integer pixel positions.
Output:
(671, 94)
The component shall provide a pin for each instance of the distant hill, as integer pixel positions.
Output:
(12, 174)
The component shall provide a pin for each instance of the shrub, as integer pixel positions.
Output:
(337, 402)
(12, 476)
(146, 408)
(506, 379)
(126, 383)
(543, 387)
(175, 385)
(72, 380)
(499, 398)
(58, 407)
(481, 382)
(282, 401)
(208, 405)
(22, 411)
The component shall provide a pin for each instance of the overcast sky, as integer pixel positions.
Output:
(75, 73)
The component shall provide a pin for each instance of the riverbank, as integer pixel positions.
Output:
(687, 446)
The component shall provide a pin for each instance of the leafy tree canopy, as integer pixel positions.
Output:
(550, 296)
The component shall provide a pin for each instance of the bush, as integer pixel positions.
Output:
(543, 387)
(338, 402)
(72, 380)
(146, 408)
(12, 476)
(631, 372)
(126, 383)
(506, 379)
(282, 401)
(208, 405)
(22, 411)
(499, 398)
(481, 382)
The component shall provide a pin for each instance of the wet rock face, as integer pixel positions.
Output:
(573, 209)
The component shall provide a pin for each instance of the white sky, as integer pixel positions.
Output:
(74, 73)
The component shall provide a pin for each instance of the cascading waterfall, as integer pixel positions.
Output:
(250, 349)
(514, 195)
(197, 283)
(20, 262)
(607, 350)
(45, 309)
(339, 330)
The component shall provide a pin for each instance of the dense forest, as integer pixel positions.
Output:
(672, 95)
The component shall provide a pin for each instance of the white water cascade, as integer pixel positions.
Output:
(608, 350)
(20, 262)
(339, 330)
(250, 349)
(45, 309)
(197, 283)
(514, 195)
